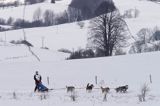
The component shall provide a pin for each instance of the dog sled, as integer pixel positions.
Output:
(42, 88)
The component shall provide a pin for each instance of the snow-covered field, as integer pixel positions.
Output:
(20, 53)
(68, 36)
(17, 12)
(57, 37)
(18, 65)
(148, 14)
(133, 70)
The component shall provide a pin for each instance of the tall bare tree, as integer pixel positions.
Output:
(37, 14)
(74, 14)
(107, 32)
(48, 17)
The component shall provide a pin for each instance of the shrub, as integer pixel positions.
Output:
(156, 35)
(131, 13)
(82, 53)
(25, 42)
(33, 1)
(80, 24)
(120, 52)
(2, 21)
(64, 50)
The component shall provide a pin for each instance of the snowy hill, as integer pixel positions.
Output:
(18, 65)
(148, 17)
(133, 70)
(148, 14)
(60, 36)
(54, 37)
(20, 53)
(71, 36)
(17, 12)
(68, 36)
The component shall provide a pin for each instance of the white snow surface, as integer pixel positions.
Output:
(148, 14)
(20, 53)
(133, 70)
(17, 12)
(18, 65)
(67, 36)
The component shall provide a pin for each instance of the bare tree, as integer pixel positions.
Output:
(62, 18)
(10, 20)
(107, 32)
(48, 17)
(74, 14)
(144, 91)
(37, 15)
(37, 18)
(137, 47)
(143, 37)
(131, 13)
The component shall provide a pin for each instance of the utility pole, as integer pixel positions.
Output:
(150, 78)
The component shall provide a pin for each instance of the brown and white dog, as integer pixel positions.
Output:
(105, 90)
(70, 88)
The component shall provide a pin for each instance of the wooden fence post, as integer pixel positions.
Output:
(48, 80)
(150, 78)
(96, 79)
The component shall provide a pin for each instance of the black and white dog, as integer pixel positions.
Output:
(89, 87)
(122, 88)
